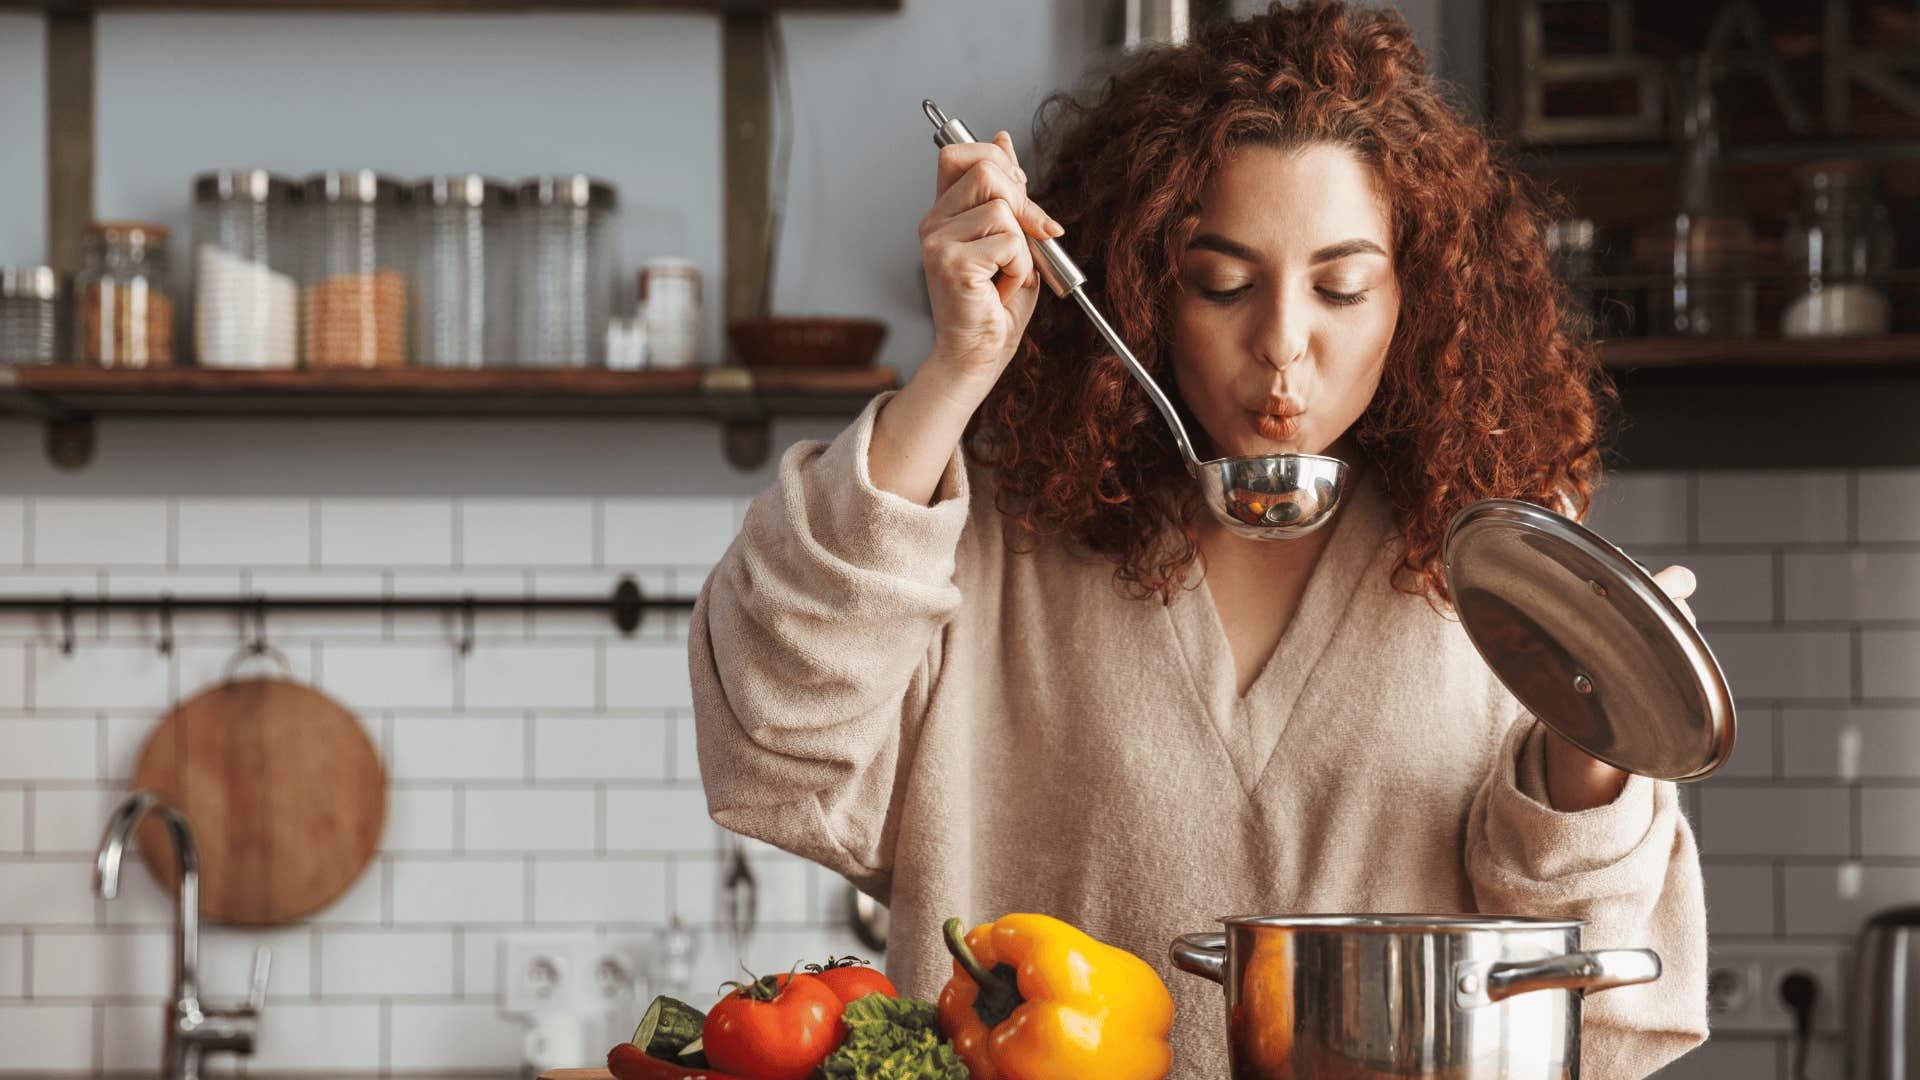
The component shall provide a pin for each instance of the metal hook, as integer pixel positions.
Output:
(66, 624)
(166, 624)
(258, 646)
(466, 625)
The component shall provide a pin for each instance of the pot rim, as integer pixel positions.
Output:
(1388, 923)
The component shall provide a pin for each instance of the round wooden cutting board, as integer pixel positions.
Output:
(285, 792)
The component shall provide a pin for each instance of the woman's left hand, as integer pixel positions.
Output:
(1576, 780)
(1679, 583)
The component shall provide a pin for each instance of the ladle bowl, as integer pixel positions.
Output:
(1273, 496)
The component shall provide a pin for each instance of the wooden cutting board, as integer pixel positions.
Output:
(285, 792)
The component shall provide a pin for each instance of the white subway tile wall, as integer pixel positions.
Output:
(545, 787)
(1814, 616)
(542, 787)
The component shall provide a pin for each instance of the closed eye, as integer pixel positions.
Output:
(1340, 299)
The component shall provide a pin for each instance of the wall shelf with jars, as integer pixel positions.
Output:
(1738, 189)
(353, 294)
(350, 293)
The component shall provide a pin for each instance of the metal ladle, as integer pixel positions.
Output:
(1265, 497)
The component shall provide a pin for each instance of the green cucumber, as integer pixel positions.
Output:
(668, 1026)
(693, 1055)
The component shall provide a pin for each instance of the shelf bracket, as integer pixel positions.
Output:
(745, 428)
(70, 442)
(746, 123)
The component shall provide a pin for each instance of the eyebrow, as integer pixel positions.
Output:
(1216, 242)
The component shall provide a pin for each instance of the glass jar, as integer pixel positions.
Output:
(123, 312)
(565, 279)
(1839, 250)
(463, 276)
(1712, 291)
(1571, 252)
(246, 295)
(29, 315)
(353, 286)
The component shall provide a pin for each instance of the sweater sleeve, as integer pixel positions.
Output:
(813, 651)
(1629, 868)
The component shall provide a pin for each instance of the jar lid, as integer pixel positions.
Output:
(136, 233)
(665, 267)
(470, 189)
(352, 186)
(1570, 234)
(583, 192)
(1587, 641)
(29, 283)
(241, 185)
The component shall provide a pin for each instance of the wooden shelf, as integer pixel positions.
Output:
(1896, 351)
(744, 401)
(364, 7)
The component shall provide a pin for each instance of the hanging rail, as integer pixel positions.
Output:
(625, 606)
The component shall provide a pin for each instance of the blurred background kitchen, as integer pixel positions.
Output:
(427, 235)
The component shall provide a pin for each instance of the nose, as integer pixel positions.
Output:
(1283, 329)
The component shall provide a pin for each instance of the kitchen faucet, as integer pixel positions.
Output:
(191, 1028)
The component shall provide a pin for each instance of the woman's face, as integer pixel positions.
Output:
(1288, 299)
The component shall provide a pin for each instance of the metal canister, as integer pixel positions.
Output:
(30, 315)
(246, 296)
(463, 281)
(565, 246)
(354, 287)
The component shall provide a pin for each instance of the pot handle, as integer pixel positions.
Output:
(1476, 984)
(1204, 955)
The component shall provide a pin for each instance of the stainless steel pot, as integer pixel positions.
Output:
(1466, 998)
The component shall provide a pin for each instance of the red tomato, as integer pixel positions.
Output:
(776, 1028)
(852, 979)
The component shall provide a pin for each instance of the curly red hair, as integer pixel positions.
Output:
(1487, 391)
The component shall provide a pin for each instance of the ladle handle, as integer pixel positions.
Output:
(1056, 269)
(1139, 373)
(1066, 279)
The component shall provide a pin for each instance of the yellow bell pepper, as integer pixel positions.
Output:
(1033, 998)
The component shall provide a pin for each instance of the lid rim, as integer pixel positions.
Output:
(363, 187)
(242, 185)
(577, 191)
(29, 283)
(464, 190)
(1714, 700)
(1398, 921)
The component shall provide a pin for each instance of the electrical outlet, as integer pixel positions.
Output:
(545, 974)
(614, 983)
(1743, 987)
(1730, 991)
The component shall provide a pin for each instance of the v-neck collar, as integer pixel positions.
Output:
(1250, 727)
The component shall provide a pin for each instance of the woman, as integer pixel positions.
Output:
(1037, 676)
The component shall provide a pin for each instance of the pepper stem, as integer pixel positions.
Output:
(957, 945)
(999, 993)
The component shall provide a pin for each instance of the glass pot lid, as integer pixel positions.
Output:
(1587, 641)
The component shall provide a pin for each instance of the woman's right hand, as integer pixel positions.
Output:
(980, 273)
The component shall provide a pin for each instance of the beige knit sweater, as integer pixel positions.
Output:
(958, 729)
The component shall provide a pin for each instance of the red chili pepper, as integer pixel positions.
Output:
(629, 1062)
